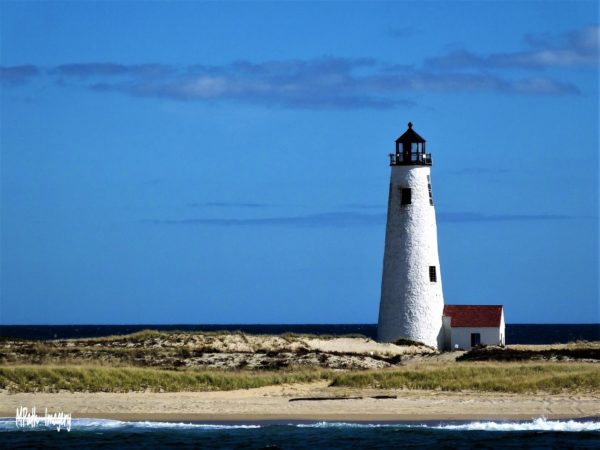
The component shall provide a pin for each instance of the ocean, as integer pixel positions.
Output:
(515, 333)
(96, 434)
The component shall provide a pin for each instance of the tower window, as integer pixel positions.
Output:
(406, 196)
(429, 189)
(432, 274)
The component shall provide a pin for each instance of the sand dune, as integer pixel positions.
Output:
(227, 350)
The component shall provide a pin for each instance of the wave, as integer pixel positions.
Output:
(346, 425)
(106, 423)
(540, 424)
(8, 424)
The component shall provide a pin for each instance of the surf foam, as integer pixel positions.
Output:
(540, 424)
(8, 424)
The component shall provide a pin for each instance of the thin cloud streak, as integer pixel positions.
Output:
(446, 217)
(109, 70)
(332, 219)
(352, 219)
(573, 49)
(228, 205)
(364, 206)
(401, 78)
(16, 75)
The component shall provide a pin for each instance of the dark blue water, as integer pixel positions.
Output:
(95, 434)
(515, 333)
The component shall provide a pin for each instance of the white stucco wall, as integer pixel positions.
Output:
(411, 306)
(461, 336)
(502, 329)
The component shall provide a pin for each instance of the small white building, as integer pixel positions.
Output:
(465, 326)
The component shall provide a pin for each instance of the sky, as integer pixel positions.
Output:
(226, 162)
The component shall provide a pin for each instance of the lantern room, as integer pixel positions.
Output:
(410, 150)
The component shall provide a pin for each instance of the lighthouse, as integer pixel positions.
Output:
(412, 302)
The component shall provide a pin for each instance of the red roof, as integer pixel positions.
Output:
(474, 315)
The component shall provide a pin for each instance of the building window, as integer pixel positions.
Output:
(429, 189)
(432, 274)
(406, 196)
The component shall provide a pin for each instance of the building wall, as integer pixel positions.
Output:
(462, 336)
(502, 329)
(411, 305)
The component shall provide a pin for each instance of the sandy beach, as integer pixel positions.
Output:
(273, 402)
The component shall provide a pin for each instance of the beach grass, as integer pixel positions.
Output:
(479, 377)
(581, 344)
(482, 377)
(81, 378)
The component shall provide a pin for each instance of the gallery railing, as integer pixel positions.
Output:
(416, 158)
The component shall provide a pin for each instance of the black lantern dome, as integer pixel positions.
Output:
(410, 150)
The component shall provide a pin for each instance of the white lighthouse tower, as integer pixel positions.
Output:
(412, 302)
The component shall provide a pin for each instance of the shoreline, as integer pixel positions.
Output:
(258, 419)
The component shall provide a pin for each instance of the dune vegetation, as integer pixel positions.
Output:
(479, 377)
(80, 378)
(209, 350)
(482, 377)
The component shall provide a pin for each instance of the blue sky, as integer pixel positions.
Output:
(223, 162)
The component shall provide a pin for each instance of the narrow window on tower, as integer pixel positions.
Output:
(432, 274)
(429, 188)
(406, 196)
